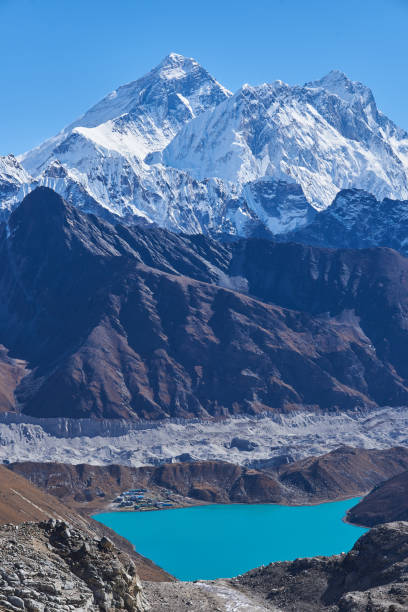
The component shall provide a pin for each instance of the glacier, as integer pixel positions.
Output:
(298, 435)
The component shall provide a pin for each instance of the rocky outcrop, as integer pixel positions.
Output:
(371, 577)
(385, 503)
(52, 566)
(243, 445)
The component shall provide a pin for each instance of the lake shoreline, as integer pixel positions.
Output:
(108, 507)
(168, 538)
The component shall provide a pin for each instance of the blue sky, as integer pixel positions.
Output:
(58, 57)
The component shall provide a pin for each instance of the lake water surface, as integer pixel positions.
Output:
(225, 540)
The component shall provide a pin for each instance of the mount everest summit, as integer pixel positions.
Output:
(177, 149)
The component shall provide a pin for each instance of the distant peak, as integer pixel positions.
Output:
(339, 83)
(176, 58)
(175, 65)
(336, 74)
(9, 159)
(332, 77)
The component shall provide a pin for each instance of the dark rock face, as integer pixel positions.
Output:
(219, 482)
(371, 577)
(387, 502)
(356, 219)
(141, 323)
(243, 445)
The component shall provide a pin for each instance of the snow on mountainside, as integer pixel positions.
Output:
(138, 118)
(178, 149)
(326, 136)
(14, 182)
(98, 161)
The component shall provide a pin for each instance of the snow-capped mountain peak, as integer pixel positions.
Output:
(14, 183)
(338, 83)
(327, 136)
(176, 66)
(139, 117)
(176, 148)
(175, 74)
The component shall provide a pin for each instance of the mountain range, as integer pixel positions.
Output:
(318, 163)
(191, 275)
(185, 235)
(138, 322)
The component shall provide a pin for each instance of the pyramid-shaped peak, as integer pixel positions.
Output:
(40, 200)
(333, 78)
(336, 75)
(339, 83)
(177, 58)
(176, 66)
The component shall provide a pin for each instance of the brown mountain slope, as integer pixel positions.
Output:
(345, 472)
(387, 502)
(134, 323)
(210, 481)
(21, 501)
(11, 373)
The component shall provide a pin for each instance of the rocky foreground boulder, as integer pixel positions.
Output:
(50, 566)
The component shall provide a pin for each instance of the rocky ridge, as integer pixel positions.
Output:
(356, 219)
(372, 576)
(344, 472)
(22, 501)
(52, 566)
(248, 327)
(15, 183)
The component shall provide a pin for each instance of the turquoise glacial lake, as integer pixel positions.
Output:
(221, 541)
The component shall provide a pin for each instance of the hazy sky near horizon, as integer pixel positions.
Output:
(60, 57)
